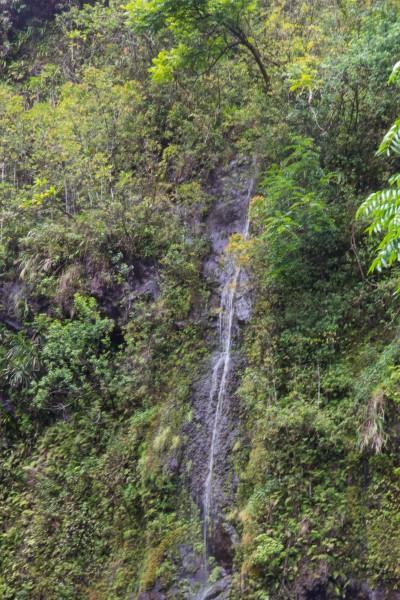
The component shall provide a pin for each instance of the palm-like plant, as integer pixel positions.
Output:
(382, 208)
(22, 362)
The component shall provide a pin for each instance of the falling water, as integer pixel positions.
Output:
(218, 388)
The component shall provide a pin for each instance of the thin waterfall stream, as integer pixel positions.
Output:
(218, 388)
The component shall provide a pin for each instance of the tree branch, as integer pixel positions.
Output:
(244, 41)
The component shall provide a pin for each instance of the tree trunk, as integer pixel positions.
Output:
(242, 38)
(257, 57)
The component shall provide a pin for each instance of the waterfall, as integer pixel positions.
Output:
(218, 387)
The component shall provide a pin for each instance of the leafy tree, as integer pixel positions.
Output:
(203, 32)
(295, 228)
(382, 208)
(74, 358)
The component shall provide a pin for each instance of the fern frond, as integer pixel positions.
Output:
(394, 180)
(395, 74)
(384, 202)
(391, 141)
(382, 208)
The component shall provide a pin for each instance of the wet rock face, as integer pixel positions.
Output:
(362, 591)
(319, 587)
(228, 215)
(142, 281)
(10, 295)
(154, 594)
(220, 590)
(243, 299)
(222, 543)
(313, 585)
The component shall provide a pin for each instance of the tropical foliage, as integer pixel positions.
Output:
(383, 208)
(120, 129)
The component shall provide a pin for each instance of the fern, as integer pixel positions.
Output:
(382, 208)
(391, 141)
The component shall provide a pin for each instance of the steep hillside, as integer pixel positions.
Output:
(199, 371)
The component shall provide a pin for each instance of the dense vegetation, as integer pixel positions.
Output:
(113, 122)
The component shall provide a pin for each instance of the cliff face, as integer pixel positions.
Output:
(16, 16)
(205, 465)
(199, 379)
